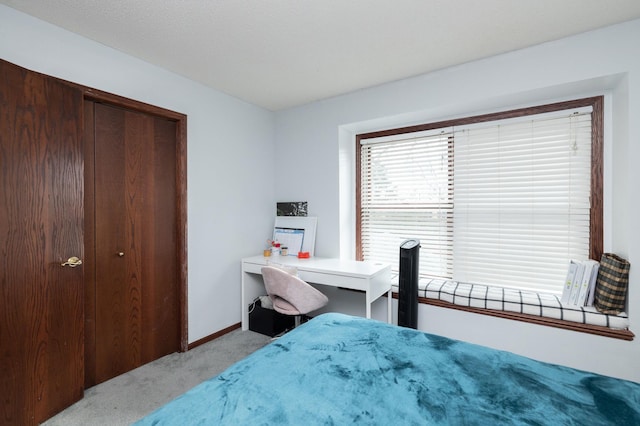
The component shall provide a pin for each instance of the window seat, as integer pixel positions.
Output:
(482, 297)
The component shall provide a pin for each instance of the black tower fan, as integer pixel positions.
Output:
(408, 284)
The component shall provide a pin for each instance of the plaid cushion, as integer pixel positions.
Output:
(611, 284)
(512, 300)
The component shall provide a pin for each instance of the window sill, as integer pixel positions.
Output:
(533, 319)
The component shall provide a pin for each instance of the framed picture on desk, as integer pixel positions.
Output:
(298, 233)
(291, 238)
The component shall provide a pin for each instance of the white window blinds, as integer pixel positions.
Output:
(406, 192)
(501, 203)
(522, 201)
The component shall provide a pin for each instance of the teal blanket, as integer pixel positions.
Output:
(338, 370)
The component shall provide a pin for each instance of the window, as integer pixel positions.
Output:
(501, 199)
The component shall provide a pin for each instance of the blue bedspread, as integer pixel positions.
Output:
(338, 370)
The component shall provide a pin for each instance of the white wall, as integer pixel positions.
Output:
(315, 142)
(230, 152)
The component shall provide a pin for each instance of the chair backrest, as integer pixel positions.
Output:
(290, 294)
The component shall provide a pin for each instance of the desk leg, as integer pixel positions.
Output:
(389, 306)
(368, 302)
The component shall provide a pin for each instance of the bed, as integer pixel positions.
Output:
(337, 369)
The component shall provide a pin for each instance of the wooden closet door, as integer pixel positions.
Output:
(136, 292)
(41, 226)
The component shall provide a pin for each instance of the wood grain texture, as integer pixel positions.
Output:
(137, 294)
(42, 207)
(89, 242)
(41, 217)
(182, 242)
(159, 267)
(114, 352)
(596, 218)
(180, 225)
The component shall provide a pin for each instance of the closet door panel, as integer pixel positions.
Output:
(135, 238)
(41, 226)
(160, 291)
(117, 311)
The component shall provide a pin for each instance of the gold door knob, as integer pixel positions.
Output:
(72, 262)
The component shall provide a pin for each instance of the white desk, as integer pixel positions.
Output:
(374, 279)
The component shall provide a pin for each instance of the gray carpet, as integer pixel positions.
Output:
(129, 397)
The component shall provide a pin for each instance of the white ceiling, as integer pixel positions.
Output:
(282, 53)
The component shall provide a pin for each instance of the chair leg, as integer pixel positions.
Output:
(297, 320)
